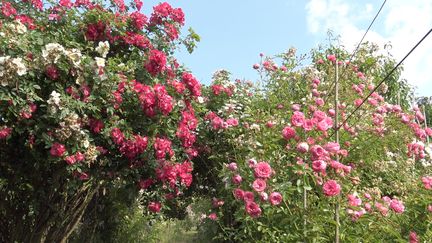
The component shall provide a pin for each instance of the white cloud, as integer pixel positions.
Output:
(401, 22)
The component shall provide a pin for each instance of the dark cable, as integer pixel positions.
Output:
(384, 79)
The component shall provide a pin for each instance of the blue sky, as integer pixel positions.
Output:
(233, 33)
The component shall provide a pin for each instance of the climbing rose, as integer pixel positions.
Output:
(302, 147)
(288, 133)
(427, 182)
(262, 170)
(297, 119)
(253, 209)
(413, 237)
(237, 179)
(154, 207)
(156, 63)
(275, 198)
(397, 206)
(57, 150)
(238, 194)
(259, 185)
(5, 132)
(331, 188)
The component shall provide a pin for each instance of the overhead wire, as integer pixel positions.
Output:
(383, 80)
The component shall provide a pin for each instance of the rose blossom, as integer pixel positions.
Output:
(57, 150)
(427, 182)
(354, 201)
(302, 147)
(332, 147)
(331, 188)
(248, 196)
(259, 185)
(213, 216)
(154, 207)
(319, 165)
(262, 170)
(413, 237)
(275, 198)
(238, 194)
(297, 119)
(288, 133)
(397, 206)
(253, 209)
(232, 166)
(237, 179)
(264, 196)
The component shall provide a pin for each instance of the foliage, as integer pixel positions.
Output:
(284, 172)
(91, 99)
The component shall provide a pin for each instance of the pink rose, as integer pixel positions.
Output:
(213, 216)
(319, 165)
(413, 237)
(232, 166)
(252, 163)
(302, 147)
(5, 132)
(262, 170)
(297, 119)
(332, 147)
(236, 179)
(259, 185)
(275, 198)
(319, 101)
(354, 201)
(318, 152)
(238, 194)
(427, 182)
(154, 207)
(288, 133)
(331, 188)
(253, 209)
(308, 124)
(70, 160)
(57, 150)
(295, 107)
(397, 206)
(248, 197)
(264, 196)
(331, 58)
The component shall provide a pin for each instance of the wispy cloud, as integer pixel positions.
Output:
(401, 22)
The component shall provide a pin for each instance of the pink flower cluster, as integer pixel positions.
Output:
(218, 123)
(5, 132)
(57, 149)
(153, 99)
(130, 148)
(186, 130)
(77, 157)
(173, 173)
(192, 84)
(262, 172)
(156, 63)
(427, 182)
(164, 12)
(218, 89)
(162, 146)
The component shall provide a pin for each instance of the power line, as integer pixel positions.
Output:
(383, 80)
(358, 45)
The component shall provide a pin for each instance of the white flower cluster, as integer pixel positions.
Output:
(54, 102)
(10, 66)
(53, 51)
(103, 48)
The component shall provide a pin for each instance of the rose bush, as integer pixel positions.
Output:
(283, 169)
(91, 98)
